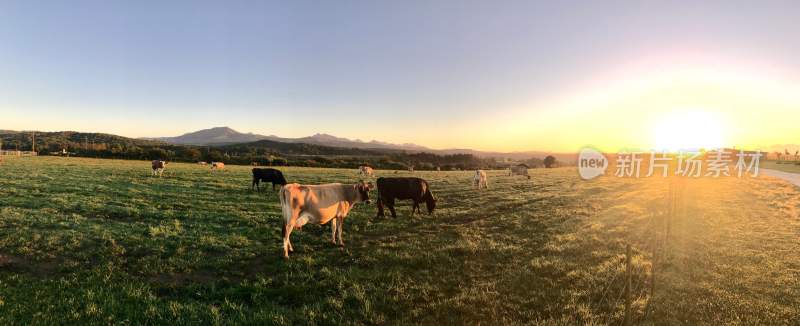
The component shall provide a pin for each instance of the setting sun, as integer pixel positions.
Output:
(687, 130)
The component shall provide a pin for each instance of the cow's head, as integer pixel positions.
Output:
(430, 202)
(363, 188)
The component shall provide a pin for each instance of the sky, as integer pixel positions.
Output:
(490, 75)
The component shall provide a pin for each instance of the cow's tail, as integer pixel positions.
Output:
(286, 209)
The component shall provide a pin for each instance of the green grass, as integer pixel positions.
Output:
(100, 241)
(786, 166)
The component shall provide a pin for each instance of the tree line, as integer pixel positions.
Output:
(264, 153)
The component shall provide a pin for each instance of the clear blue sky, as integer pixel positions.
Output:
(401, 71)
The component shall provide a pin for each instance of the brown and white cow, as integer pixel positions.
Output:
(480, 179)
(366, 171)
(158, 167)
(217, 166)
(319, 204)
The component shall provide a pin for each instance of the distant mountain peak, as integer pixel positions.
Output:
(213, 136)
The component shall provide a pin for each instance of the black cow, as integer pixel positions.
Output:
(267, 175)
(415, 189)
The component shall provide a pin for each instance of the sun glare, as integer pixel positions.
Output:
(687, 130)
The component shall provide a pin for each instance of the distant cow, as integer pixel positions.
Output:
(267, 175)
(401, 188)
(319, 204)
(365, 171)
(217, 166)
(202, 163)
(521, 169)
(480, 179)
(158, 167)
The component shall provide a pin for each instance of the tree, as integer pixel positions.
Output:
(549, 161)
(193, 154)
(157, 154)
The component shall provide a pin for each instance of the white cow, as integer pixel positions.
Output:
(521, 169)
(480, 179)
(365, 171)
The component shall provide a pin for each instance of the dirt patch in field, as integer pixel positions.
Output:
(181, 279)
(24, 265)
(246, 270)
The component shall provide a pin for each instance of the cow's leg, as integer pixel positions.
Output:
(415, 207)
(333, 230)
(380, 208)
(340, 227)
(287, 245)
(391, 209)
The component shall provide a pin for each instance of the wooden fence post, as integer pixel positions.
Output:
(628, 270)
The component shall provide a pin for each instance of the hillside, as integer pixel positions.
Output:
(71, 140)
(221, 136)
(303, 149)
(262, 152)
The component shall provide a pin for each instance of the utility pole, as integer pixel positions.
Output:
(33, 142)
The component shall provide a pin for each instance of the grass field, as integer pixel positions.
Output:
(786, 166)
(101, 241)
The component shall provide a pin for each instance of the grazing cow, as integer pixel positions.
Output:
(401, 188)
(365, 171)
(267, 175)
(521, 169)
(217, 166)
(158, 167)
(319, 204)
(202, 163)
(480, 179)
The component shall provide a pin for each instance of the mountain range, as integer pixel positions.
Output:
(226, 136)
(219, 136)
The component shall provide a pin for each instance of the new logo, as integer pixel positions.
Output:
(591, 163)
